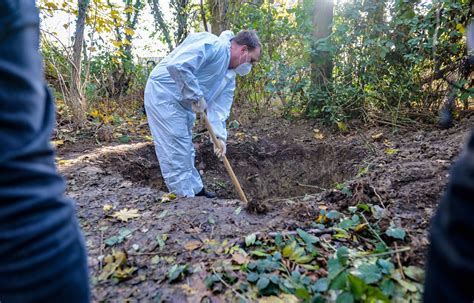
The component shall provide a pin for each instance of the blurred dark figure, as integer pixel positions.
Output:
(450, 269)
(42, 254)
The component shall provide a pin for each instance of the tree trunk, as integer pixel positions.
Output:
(160, 23)
(76, 101)
(203, 15)
(181, 20)
(219, 17)
(132, 21)
(321, 61)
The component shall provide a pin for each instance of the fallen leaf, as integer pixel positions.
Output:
(162, 214)
(361, 227)
(408, 285)
(123, 234)
(161, 239)
(238, 210)
(125, 214)
(240, 136)
(415, 273)
(168, 197)
(116, 267)
(318, 134)
(193, 245)
(391, 151)
(155, 260)
(377, 136)
(107, 207)
(240, 259)
(188, 289)
(177, 271)
(342, 126)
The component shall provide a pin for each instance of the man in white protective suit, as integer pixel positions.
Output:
(199, 75)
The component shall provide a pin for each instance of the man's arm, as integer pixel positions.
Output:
(185, 63)
(219, 109)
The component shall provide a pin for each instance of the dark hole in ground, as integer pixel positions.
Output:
(265, 170)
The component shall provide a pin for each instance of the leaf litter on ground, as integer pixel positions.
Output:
(300, 265)
(125, 214)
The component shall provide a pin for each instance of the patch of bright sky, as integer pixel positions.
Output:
(143, 44)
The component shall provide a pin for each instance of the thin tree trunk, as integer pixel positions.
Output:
(219, 20)
(203, 16)
(181, 20)
(76, 100)
(160, 23)
(321, 65)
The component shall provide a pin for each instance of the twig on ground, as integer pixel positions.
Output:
(373, 231)
(230, 287)
(289, 198)
(101, 248)
(399, 262)
(378, 196)
(329, 244)
(391, 252)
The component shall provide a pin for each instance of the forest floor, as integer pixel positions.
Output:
(320, 203)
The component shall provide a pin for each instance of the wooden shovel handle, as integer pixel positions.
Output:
(229, 169)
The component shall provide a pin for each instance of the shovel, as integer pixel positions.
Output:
(229, 169)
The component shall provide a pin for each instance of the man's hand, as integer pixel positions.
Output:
(220, 148)
(199, 106)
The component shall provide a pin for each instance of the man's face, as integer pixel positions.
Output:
(240, 54)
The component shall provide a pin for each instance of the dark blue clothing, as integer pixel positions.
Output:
(450, 269)
(42, 254)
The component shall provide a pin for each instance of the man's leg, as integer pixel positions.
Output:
(196, 180)
(42, 255)
(169, 125)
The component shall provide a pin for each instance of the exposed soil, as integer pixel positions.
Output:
(279, 164)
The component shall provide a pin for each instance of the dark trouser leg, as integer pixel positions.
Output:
(42, 254)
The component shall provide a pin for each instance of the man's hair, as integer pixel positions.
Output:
(249, 38)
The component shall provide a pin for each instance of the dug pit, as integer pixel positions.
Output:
(266, 170)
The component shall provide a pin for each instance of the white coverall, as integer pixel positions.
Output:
(199, 67)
